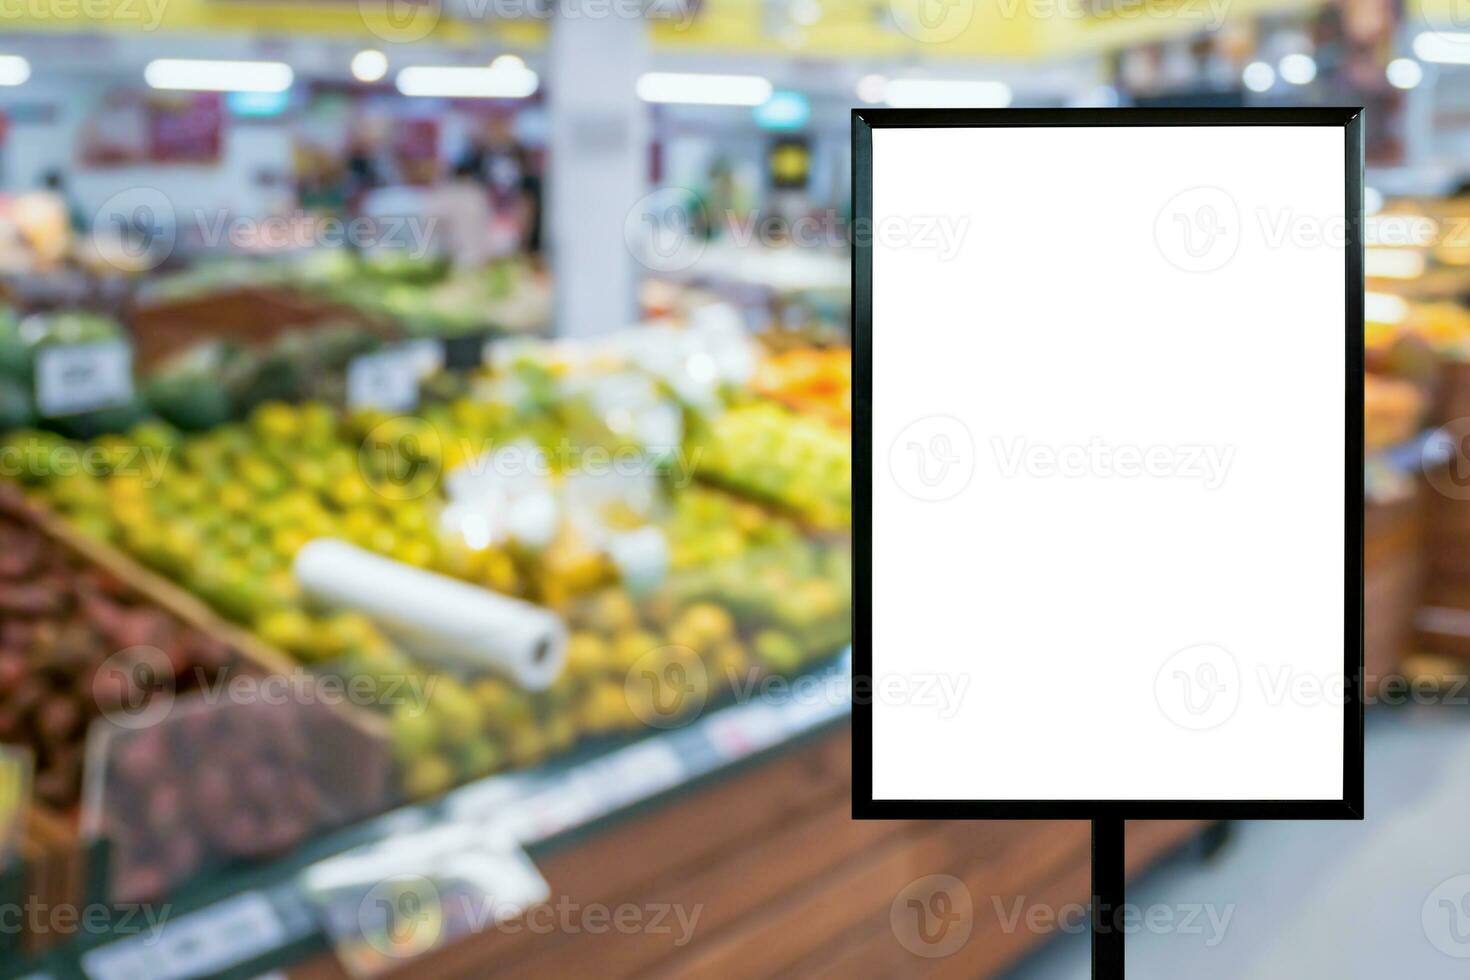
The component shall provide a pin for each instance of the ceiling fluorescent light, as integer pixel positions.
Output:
(448, 82)
(14, 70)
(694, 89)
(1443, 47)
(219, 76)
(946, 93)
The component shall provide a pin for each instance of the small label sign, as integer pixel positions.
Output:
(217, 937)
(83, 377)
(388, 380)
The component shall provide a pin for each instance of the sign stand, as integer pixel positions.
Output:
(1108, 895)
(1060, 325)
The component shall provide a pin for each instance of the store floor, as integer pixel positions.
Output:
(1351, 901)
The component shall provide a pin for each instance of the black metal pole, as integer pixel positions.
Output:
(1107, 899)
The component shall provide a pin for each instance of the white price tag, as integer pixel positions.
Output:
(202, 943)
(386, 908)
(83, 377)
(388, 380)
(428, 356)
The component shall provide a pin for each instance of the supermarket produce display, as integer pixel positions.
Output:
(680, 527)
(232, 508)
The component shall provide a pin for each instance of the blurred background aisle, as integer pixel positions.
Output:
(334, 332)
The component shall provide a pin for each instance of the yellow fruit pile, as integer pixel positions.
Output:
(224, 513)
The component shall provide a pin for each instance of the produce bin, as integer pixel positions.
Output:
(167, 643)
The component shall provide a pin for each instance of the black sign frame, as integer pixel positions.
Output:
(864, 806)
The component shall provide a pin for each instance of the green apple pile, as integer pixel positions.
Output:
(799, 463)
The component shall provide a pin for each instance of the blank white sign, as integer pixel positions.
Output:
(1108, 430)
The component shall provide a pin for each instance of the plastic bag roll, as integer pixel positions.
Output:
(435, 617)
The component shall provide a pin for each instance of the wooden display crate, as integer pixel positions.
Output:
(362, 782)
(252, 316)
(256, 655)
(786, 883)
(55, 876)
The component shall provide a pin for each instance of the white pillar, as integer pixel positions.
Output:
(598, 168)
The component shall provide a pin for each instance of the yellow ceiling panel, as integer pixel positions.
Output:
(371, 20)
(1023, 30)
(1026, 30)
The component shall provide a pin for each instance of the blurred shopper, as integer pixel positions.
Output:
(55, 183)
(505, 168)
(46, 221)
(460, 217)
(361, 172)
